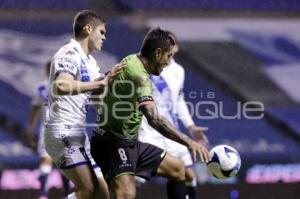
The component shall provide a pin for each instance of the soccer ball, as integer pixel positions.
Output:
(225, 162)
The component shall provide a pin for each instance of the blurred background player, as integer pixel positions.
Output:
(39, 111)
(74, 75)
(169, 99)
(115, 145)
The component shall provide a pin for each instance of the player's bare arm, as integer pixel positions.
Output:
(33, 119)
(67, 85)
(162, 125)
(198, 133)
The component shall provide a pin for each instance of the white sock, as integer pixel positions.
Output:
(72, 196)
(192, 183)
(45, 169)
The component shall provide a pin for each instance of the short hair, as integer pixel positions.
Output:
(173, 36)
(156, 38)
(47, 67)
(83, 18)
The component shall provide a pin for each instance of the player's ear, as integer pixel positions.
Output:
(87, 28)
(158, 53)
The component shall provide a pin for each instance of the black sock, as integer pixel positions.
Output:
(191, 192)
(43, 180)
(176, 190)
(66, 186)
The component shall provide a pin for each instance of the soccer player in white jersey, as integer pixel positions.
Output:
(39, 111)
(169, 98)
(74, 75)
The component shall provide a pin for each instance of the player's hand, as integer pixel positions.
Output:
(30, 140)
(198, 134)
(115, 71)
(198, 148)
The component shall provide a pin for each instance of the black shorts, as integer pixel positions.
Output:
(114, 159)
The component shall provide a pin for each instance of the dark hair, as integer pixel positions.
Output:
(48, 66)
(156, 38)
(173, 36)
(83, 18)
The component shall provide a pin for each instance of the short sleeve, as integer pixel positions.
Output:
(66, 62)
(143, 90)
(41, 96)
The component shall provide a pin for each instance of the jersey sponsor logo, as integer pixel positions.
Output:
(67, 144)
(67, 65)
(99, 130)
(64, 161)
(125, 165)
(68, 60)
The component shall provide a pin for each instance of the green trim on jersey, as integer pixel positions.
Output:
(120, 113)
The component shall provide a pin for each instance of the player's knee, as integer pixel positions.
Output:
(178, 172)
(126, 193)
(189, 175)
(102, 189)
(189, 178)
(87, 192)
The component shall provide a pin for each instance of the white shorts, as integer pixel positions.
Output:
(178, 150)
(69, 147)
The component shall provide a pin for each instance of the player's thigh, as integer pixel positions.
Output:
(172, 168)
(82, 177)
(123, 186)
(114, 160)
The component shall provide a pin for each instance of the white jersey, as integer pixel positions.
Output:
(66, 140)
(71, 109)
(169, 99)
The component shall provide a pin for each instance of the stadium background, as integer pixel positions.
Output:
(234, 53)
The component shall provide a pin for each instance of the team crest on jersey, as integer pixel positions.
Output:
(70, 52)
